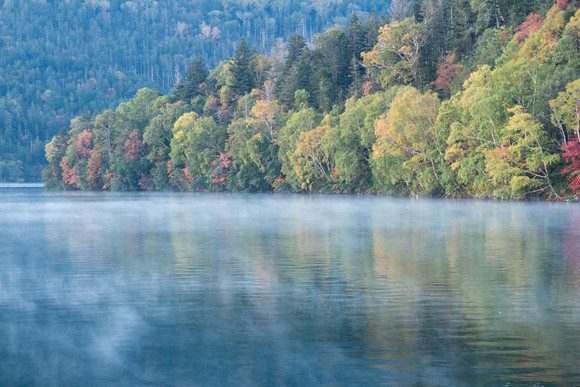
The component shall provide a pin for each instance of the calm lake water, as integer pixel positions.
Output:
(220, 289)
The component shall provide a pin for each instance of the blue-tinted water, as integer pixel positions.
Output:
(222, 289)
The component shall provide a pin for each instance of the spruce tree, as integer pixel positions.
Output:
(296, 45)
(188, 87)
(241, 81)
(298, 77)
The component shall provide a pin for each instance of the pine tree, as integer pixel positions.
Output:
(356, 35)
(188, 87)
(296, 45)
(357, 42)
(297, 70)
(241, 81)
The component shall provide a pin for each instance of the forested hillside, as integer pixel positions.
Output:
(61, 58)
(447, 98)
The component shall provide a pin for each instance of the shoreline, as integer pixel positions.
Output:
(21, 185)
(358, 194)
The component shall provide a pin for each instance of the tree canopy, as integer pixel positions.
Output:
(406, 108)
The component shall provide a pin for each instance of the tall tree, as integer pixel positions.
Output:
(241, 80)
(297, 70)
(520, 165)
(409, 135)
(313, 160)
(396, 56)
(296, 44)
(333, 58)
(188, 87)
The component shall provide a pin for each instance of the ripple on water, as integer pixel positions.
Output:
(175, 289)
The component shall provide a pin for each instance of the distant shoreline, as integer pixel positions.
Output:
(21, 185)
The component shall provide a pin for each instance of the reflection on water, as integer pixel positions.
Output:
(182, 289)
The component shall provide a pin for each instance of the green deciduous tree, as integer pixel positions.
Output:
(196, 143)
(408, 135)
(519, 166)
(55, 151)
(157, 137)
(396, 57)
(353, 139)
(566, 111)
(304, 120)
(313, 160)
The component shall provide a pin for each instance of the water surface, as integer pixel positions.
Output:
(222, 289)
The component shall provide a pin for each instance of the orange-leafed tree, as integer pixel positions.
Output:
(69, 174)
(94, 171)
(222, 168)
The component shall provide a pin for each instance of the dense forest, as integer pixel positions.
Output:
(449, 98)
(59, 59)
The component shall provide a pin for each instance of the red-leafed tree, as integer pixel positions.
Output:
(447, 71)
(563, 4)
(134, 145)
(367, 87)
(222, 168)
(211, 107)
(532, 24)
(566, 117)
(84, 144)
(571, 155)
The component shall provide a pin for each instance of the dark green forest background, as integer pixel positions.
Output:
(60, 59)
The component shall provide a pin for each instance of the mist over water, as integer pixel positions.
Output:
(223, 289)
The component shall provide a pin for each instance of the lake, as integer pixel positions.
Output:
(189, 289)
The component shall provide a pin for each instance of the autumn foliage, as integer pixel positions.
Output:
(563, 4)
(84, 144)
(419, 112)
(446, 73)
(134, 145)
(94, 173)
(532, 24)
(69, 174)
(571, 155)
(222, 165)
